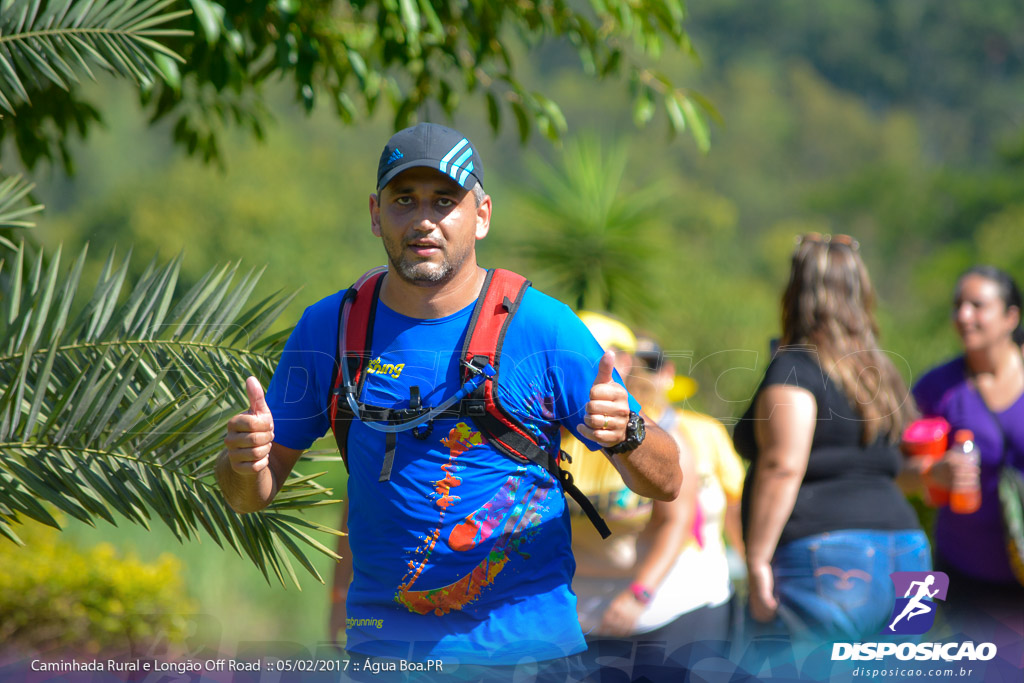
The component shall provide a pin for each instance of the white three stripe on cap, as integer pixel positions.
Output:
(458, 164)
(453, 152)
(462, 178)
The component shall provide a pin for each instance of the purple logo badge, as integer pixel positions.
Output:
(916, 593)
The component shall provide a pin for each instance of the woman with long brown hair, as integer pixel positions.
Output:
(824, 522)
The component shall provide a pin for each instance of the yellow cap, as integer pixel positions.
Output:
(682, 388)
(610, 333)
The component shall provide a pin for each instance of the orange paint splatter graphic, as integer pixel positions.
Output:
(457, 595)
(460, 439)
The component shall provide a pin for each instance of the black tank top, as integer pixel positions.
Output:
(847, 485)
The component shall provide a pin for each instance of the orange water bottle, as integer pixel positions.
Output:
(965, 494)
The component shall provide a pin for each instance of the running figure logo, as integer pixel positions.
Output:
(914, 613)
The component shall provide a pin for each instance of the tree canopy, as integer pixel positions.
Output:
(205, 65)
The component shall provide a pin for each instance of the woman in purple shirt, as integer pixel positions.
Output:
(982, 390)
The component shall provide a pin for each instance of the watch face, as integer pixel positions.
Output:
(638, 427)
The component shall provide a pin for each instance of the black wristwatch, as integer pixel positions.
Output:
(636, 430)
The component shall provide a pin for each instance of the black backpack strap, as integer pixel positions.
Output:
(585, 504)
(390, 445)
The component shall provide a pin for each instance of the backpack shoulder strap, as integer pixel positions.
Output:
(499, 300)
(355, 334)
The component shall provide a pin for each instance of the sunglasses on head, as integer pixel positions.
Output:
(819, 238)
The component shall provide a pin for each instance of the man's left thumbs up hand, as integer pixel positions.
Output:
(607, 412)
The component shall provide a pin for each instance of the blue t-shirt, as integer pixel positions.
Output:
(465, 553)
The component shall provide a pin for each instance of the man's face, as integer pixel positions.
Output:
(429, 225)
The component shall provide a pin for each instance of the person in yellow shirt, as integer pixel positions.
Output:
(663, 575)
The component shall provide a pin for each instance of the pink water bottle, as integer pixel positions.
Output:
(926, 440)
(965, 495)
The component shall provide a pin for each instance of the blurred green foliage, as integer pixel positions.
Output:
(54, 595)
(958, 64)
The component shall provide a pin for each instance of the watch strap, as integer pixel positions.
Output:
(636, 431)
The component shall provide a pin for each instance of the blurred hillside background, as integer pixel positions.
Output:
(900, 122)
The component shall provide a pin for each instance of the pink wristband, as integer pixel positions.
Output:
(641, 593)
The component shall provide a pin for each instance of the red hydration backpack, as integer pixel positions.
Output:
(478, 399)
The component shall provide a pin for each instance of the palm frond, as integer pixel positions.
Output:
(57, 40)
(14, 209)
(115, 402)
(598, 241)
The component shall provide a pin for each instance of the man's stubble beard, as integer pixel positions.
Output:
(424, 273)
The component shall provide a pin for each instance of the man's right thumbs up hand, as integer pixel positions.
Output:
(250, 434)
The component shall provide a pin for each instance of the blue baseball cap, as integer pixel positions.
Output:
(434, 146)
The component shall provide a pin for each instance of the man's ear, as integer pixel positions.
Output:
(375, 214)
(483, 218)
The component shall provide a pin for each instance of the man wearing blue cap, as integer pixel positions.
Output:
(460, 552)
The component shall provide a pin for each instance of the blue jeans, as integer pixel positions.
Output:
(836, 586)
